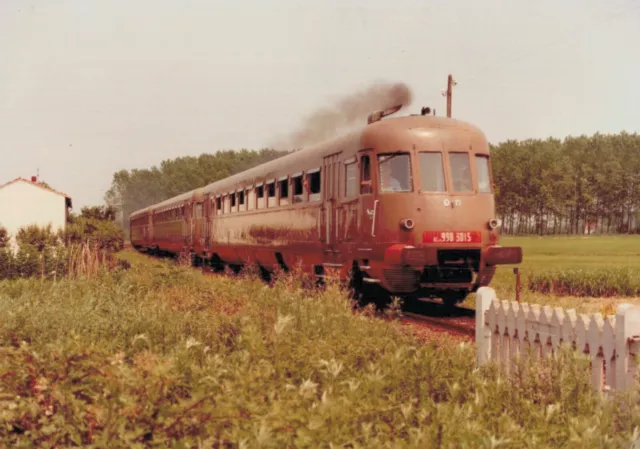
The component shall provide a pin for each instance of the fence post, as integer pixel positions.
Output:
(627, 326)
(484, 297)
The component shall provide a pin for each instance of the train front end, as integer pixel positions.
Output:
(434, 230)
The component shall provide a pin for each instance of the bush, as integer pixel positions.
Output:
(602, 282)
(82, 248)
(164, 356)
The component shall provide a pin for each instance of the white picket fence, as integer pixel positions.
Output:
(505, 329)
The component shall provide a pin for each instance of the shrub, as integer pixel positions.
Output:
(165, 356)
(602, 282)
(85, 246)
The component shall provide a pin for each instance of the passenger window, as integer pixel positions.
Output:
(298, 192)
(260, 193)
(365, 175)
(431, 172)
(351, 180)
(395, 172)
(283, 186)
(484, 176)
(241, 205)
(313, 182)
(461, 172)
(271, 193)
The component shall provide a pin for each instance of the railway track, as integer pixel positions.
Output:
(431, 317)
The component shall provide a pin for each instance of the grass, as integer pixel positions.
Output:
(163, 356)
(599, 272)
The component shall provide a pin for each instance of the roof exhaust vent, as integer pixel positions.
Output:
(377, 115)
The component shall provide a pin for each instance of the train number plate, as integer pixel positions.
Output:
(452, 237)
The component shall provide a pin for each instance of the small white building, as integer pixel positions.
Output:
(25, 202)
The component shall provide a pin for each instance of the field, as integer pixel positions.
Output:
(601, 261)
(160, 355)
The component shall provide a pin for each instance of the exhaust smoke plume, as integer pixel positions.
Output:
(350, 110)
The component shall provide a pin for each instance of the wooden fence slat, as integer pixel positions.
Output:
(506, 329)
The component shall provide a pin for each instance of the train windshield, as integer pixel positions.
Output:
(431, 172)
(461, 172)
(395, 172)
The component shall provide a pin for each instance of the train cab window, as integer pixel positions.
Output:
(298, 191)
(460, 172)
(198, 210)
(313, 182)
(365, 175)
(218, 205)
(283, 188)
(351, 180)
(395, 172)
(431, 172)
(232, 198)
(484, 176)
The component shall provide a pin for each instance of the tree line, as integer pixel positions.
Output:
(553, 186)
(573, 186)
(138, 188)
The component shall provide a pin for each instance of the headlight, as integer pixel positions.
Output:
(406, 223)
(493, 223)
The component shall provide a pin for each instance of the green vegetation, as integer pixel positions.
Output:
(136, 189)
(163, 356)
(87, 240)
(589, 273)
(553, 187)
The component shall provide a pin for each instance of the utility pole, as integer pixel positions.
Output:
(450, 83)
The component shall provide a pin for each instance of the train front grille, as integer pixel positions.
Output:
(401, 279)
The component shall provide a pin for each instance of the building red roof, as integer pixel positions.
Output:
(35, 183)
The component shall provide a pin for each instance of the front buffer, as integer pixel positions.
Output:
(447, 273)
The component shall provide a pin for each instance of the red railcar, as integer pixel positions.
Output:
(404, 205)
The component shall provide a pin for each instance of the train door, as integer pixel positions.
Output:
(331, 189)
(368, 204)
(198, 235)
(207, 211)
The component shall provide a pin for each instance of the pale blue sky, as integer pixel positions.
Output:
(91, 87)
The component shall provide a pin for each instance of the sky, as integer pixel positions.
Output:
(88, 88)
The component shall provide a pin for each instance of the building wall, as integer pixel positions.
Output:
(23, 204)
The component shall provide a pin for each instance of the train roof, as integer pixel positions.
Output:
(313, 154)
(167, 202)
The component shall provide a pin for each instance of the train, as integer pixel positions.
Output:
(403, 206)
